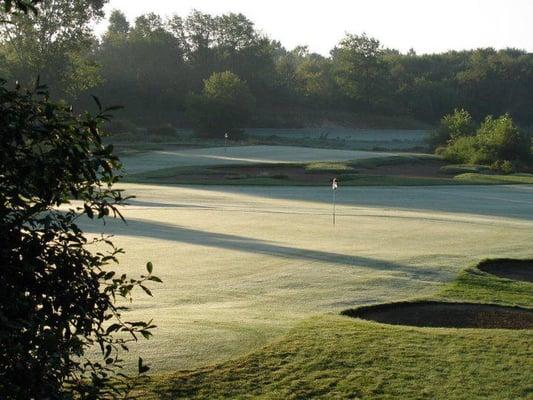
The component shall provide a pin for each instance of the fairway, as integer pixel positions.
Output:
(243, 265)
(250, 200)
(157, 159)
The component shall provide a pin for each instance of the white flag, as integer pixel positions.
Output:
(334, 185)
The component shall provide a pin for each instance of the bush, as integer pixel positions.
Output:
(59, 296)
(452, 126)
(505, 167)
(497, 140)
(463, 150)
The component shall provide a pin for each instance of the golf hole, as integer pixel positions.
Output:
(519, 270)
(446, 315)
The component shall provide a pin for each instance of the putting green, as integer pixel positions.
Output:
(158, 159)
(242, 265)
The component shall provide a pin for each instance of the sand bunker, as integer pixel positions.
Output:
(446, 315)
(520, 270)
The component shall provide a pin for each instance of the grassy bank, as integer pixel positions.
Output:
(332, 357)
(396, 170)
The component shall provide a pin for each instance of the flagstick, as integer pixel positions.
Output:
(334, 207)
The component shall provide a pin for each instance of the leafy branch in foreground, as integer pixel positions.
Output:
(60, 296)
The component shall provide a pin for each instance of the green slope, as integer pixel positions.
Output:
(335, 357)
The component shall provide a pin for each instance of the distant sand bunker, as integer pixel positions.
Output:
(446, 315)
(520, 270)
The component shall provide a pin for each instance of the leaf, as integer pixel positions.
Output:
(109, 275)
(108, 350)
(146, 334)
(89, 211)
(155, 279)
(149, 267)
(146, 290)
(113, 328)
(142, 367)
(113, 108)
(97, 101)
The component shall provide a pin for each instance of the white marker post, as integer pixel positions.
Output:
(334, 187)
(225, 141)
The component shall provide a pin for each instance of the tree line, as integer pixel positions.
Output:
(157, 67)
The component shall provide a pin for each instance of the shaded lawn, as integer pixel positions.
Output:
(400, 170)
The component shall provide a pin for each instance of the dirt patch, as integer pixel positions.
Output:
(520, 270)
(446, 315)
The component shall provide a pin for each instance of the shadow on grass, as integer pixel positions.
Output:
(150, 229)
(498, 201)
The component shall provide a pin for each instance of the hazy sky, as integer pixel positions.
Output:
(428, 26)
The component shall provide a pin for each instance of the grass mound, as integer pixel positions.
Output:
(437, 314)
(483, 179)
(335, 357)
(519, 270)
(455, 169)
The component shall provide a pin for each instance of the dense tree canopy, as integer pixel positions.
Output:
(223, 107)
(53, 44)
(359, 69)
(152, 64)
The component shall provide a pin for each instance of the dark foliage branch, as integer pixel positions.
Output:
(59, 295)
(23, 6)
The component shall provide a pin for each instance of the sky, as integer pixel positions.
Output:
(427, 26)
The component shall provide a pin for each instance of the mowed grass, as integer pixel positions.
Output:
(243, 265)
(335, 357)
(267, 170)
(477, 286)
(172, 156)
(484, 179)
(296, 174)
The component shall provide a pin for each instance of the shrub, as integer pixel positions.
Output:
(59, 297)
(452, 126)
(505, 167)
(500, 139)
(463, 150)
(497, 140)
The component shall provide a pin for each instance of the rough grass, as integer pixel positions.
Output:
(455, 169)
(481, 179)
(333, 167)
(478, 286)
(335, 357)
